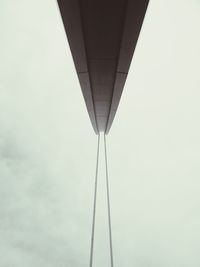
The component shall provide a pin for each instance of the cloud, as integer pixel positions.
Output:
(48, 149)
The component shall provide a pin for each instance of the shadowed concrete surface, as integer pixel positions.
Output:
(102, 36)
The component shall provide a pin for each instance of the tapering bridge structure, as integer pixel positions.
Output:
(102, 35)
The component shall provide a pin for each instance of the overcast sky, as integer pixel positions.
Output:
(48, 147)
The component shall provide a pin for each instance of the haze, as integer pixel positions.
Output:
(48, 147)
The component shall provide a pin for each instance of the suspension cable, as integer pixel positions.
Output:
(108, 204)
(94, 204)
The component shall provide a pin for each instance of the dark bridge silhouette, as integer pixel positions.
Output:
(102, 35)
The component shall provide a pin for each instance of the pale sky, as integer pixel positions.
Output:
(48, 147)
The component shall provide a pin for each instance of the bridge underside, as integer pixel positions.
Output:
(102, 35)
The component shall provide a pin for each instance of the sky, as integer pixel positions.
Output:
(48, 147)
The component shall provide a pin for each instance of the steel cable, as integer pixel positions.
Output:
(94, 204)
(108, 204)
